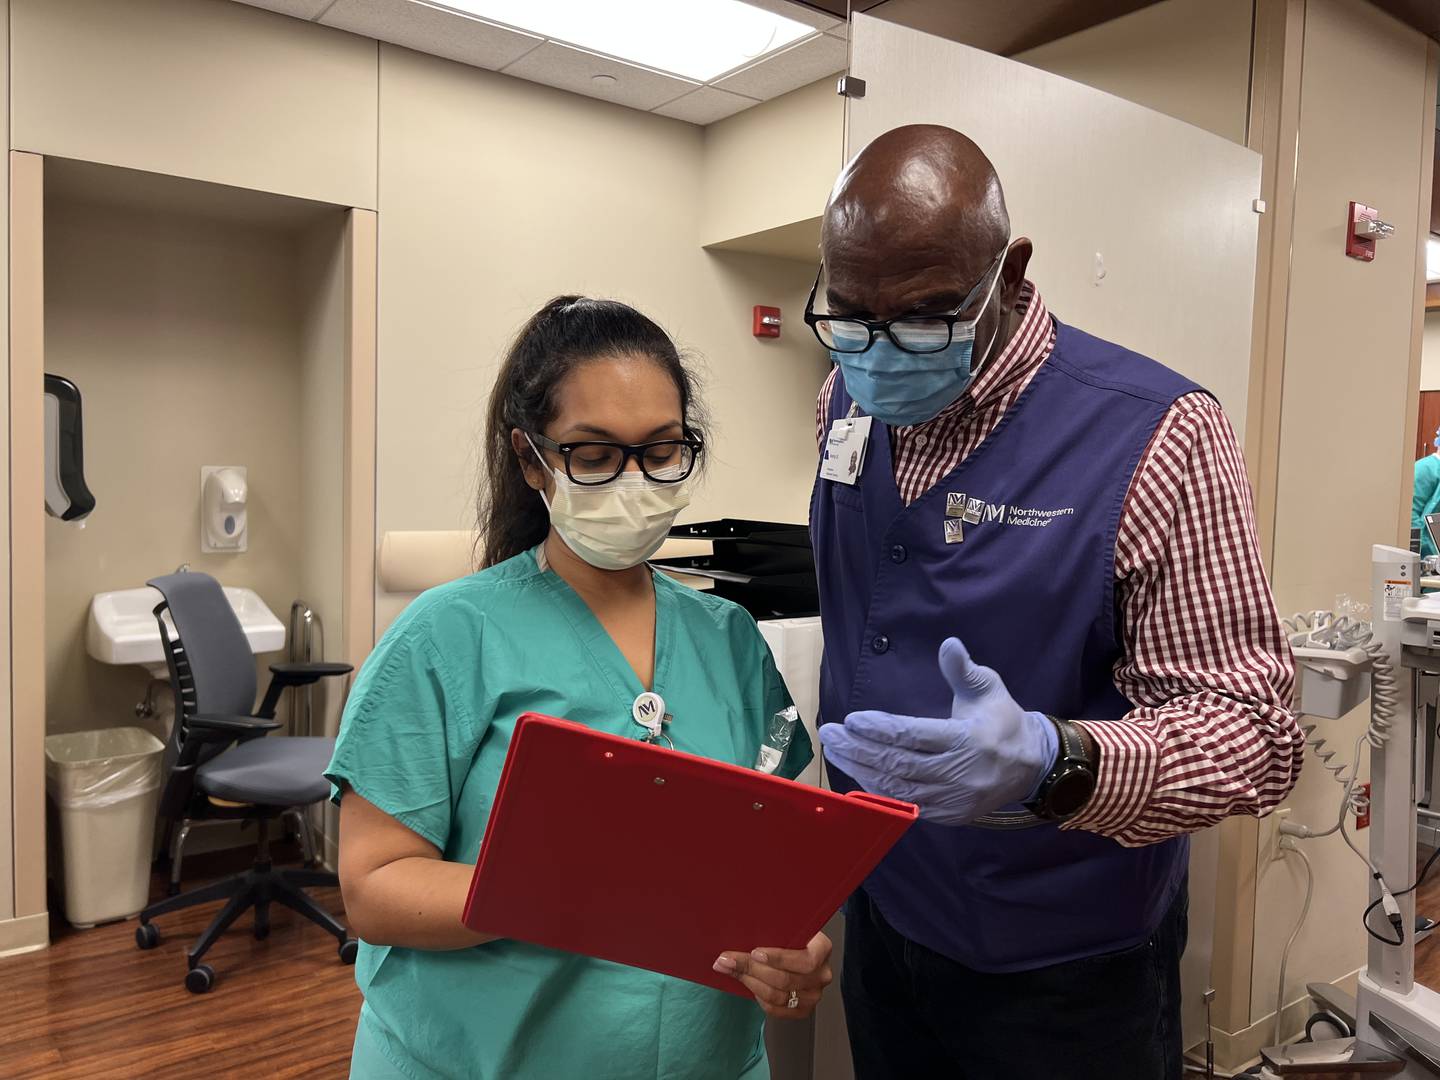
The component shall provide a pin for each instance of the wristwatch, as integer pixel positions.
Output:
(1070, 783)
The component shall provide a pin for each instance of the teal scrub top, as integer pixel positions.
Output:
(424, 737)
(1426, 498)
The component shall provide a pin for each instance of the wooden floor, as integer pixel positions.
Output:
(94, 1006)
(1427, 953)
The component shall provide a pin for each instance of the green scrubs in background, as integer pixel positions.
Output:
(1426, 498)
(424, 738)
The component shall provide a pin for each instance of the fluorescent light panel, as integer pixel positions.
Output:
(696, 39)
(1432, 258)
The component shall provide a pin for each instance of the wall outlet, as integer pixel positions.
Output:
(1270, 835)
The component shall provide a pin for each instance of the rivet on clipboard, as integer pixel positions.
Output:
(758, 806)
(660, 780)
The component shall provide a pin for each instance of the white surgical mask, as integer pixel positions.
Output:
(616, 525)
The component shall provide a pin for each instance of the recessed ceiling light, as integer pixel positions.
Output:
(603, 82)
(698, 39)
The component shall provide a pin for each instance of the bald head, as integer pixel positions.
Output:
(921, 184)
(913, 224)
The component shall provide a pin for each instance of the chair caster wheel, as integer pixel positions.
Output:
(349, 949)
(147, 936)
(199, 979)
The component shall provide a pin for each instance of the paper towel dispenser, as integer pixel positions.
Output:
(66, 496)
(766, 567)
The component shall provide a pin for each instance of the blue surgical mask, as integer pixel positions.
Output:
(902, 388)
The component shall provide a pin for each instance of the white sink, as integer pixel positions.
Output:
(122, 627)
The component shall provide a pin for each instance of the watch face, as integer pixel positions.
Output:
(1070, 791)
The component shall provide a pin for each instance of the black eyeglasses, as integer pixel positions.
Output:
(912, 333)
(666, 462)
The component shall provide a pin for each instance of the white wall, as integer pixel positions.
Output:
(497, 194)
(183, 337)
(1430, 353)
(321, 446)
(206, 89)
(321, 475)
(771, 168)
(1189, 59)
(1361, 69)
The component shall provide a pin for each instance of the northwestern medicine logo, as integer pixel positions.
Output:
(974, 511)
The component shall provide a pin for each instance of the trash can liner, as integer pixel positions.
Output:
(92, 769)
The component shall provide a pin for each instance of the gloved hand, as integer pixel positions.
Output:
(987, 754)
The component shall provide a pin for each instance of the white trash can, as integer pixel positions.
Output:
(105, 786)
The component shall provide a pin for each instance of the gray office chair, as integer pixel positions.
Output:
(219, 765)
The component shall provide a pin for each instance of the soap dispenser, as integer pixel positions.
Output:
(223, 493)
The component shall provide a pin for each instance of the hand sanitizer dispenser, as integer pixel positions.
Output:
(223, 494)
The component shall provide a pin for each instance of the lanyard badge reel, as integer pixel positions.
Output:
(649, 712)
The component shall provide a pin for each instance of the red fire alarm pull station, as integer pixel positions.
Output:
(1362, 228)
(767, 322)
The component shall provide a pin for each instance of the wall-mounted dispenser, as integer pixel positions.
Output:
(224, 491)
(66, 496)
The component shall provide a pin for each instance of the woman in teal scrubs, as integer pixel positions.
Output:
(592, 438)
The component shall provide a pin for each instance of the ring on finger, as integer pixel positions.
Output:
(793, 1002)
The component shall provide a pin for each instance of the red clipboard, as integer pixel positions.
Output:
(662, 860)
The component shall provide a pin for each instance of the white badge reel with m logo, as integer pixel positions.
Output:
(649, 712)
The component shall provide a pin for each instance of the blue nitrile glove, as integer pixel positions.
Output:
(987, 754)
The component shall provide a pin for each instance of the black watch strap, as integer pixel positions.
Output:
(1071, 781)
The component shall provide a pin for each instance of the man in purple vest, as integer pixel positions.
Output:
(1046, 623)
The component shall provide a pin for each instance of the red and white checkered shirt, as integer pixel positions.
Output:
(1205, 662)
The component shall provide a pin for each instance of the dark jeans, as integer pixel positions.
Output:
(913, 1013)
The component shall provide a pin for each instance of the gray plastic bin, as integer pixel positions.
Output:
(105, 786)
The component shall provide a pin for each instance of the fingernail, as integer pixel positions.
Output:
(761, 957)
(725, 966)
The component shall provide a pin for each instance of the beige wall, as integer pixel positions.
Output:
(771, 167)
(1361, 69)
(321, 449)
(1189, 59)
(1430, 353)
(206, 89)
(7, 822)
(316, 710)
(586, 197)
(183, 337)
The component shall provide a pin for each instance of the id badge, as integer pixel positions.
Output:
(845, 449)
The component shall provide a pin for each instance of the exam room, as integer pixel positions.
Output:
(269, 266)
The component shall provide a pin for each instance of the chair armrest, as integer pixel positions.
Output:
(304, 674)
(202, 731)
(213, 727)
(284, 676)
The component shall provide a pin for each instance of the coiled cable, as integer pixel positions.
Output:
(1326, 630)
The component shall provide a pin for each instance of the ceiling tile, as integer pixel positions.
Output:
(432, 30)
(797, 66)
(820, 20)
(705, 106)
(301, 9)
(574, 69)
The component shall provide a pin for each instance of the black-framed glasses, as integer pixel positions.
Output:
(589, 463)
(911, 333)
